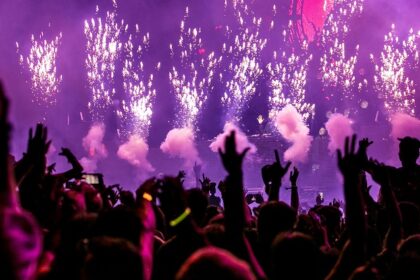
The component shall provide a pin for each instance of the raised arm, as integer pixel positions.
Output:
(353, 253)
(20, 236)
(272, 175)
(381, 176)
(31, 189)
(294, 199)
(349, 165)
(76, 168)
(8, 197)
(236, 214)
(145, 197)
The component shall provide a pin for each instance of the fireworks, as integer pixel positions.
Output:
(287, 81)
(337, 67)
(391, 81)
(244, 68)
(103, 47)
(42, 65)
(136, 112)
(191, 80)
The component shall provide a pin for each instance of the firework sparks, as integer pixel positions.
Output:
(191, 80)
(42, 65)
(103, 47)
(287, 81)
(136, 112)
(244, 69)
(391, 81)
(337, 67)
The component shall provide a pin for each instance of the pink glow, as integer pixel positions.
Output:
(291, 126)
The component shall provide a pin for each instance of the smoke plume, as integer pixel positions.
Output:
(291, 126)
(180, 142)
(135, 151)
(338, 127)
(242, 141)
(94, 146)
(404, 125)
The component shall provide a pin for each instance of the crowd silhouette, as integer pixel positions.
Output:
(58, 226)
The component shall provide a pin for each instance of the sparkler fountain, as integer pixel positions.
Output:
(103, 48)
(41, 63)
(295, 76)
(191, 79)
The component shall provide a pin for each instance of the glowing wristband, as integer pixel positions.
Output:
(181, 217)
(148, 197)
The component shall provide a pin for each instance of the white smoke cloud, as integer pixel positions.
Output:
(94, 146)
(89, 164)
(291, 126)
(242, 141)
(180, 142)
(338, 127)
(92, 142)
(404, 125)
(135, 151)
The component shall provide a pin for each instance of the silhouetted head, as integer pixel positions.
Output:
(410, 246)
(212, 188)
(112, 258)
(410, 218)
(68, 260)
(407, 265)
(311, 226)
(215, 234)
(20, 244)
(409, 151)
(331, 216)
(127, 199)
(212, 263)
(374, 242)
(274, 217)
(295, 256)
(120, 222)
(211, 212)
(365, 272)
(198, 202)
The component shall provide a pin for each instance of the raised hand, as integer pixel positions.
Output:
(72, 159)
(38, 143)
(350, 163)
(379, 172)
(364, 143)
(231, 159)
(278, 168)
(294, 175)
(51, 168)
(149, 187)
(350, 166)
(65, 152)
(294, 198)
(197, 170)
(362, 152)
(272, 175)
(236, 213)
(205, 184)
(221, 186)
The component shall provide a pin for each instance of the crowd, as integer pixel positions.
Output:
(57, 226)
